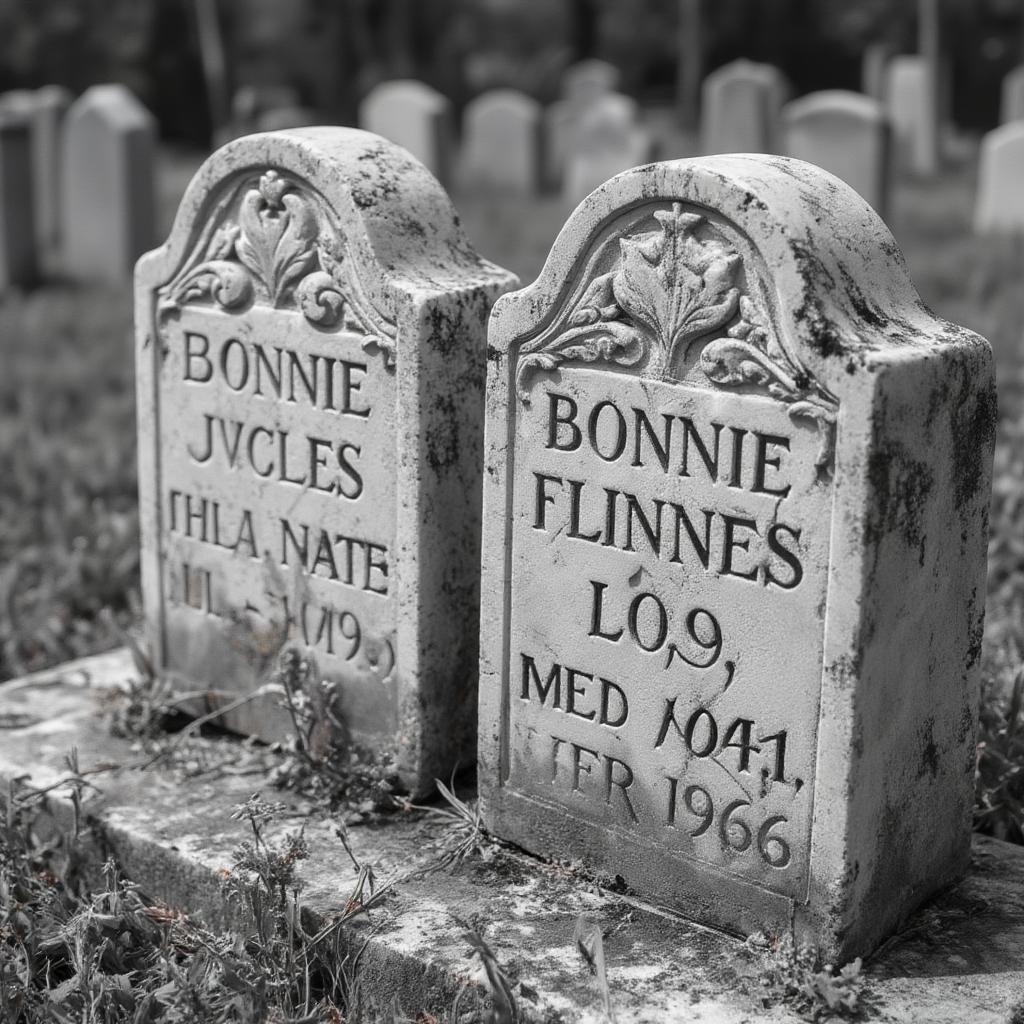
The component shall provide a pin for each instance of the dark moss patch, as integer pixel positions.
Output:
(973, 435)
(929, 749)
(861, 306)
(901, 486)
(441, 446)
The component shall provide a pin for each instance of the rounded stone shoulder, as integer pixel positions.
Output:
(397, 221)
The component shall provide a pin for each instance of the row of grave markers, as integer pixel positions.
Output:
(77, 184)
(77, 180)
(686, 542)
(513, 144)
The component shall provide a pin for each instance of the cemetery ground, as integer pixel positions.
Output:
(69, 587)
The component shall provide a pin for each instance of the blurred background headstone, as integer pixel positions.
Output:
(740, 108)
(501, 147)
(846, 133)
(414, 116)
(108, 206)
(1000, 201)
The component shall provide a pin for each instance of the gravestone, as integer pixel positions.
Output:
(740, 107)
(258, 108)
(502, 143)
(999, 208)
(735, 516)
(1011, 107)
(107, 184)
(310, 352)
(416, 117)
(276, 119)
(606, 140)
(19, 262)
(563, 121)
(50, 107)
(845, 133)
(910, 102)
(874, 61)
(588, 79)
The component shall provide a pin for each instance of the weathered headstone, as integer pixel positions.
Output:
(910, 102)
(50, 107)
(19, 258)
(740, 106)
(735, 515)
(606, 141)
(589, 79)
(310, 348)
(1011, 107)
(502, 142)
(416, 117)
(847, 134)
(999, 207)
(108, 208)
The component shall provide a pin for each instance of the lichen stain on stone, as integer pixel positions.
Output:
(901, 486)
(823, 334)
(975, 631)
(930, 760)
(444, 333)
(973, 432)
(846, 669)
(893, 863)
(860, 304)
(379, 182)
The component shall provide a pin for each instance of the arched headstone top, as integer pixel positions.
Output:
(117, 105)
(833, 103)
(253, 228)
(742, 271)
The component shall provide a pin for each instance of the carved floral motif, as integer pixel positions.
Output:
(275, 244)
(670, 287)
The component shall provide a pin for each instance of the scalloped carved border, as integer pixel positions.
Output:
(274, 242)
(667, 289)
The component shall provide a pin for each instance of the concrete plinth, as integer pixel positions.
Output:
(958, 959)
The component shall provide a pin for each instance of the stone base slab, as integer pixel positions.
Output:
(960, 958)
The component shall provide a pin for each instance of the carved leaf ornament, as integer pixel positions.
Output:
(670, 287)
(275, 244)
